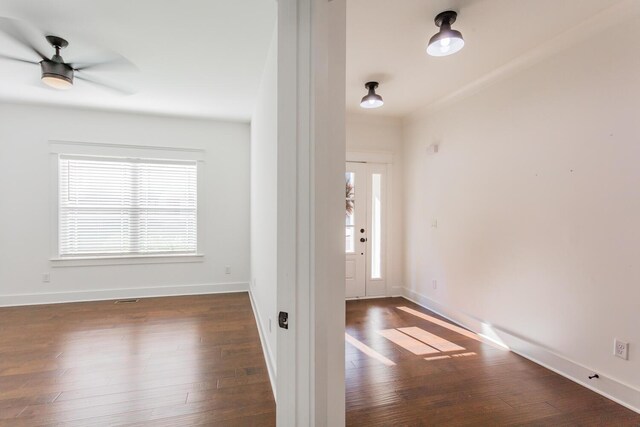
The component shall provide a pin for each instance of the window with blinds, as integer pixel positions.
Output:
(126, 207)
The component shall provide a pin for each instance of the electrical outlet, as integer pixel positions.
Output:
(435, 284)
(227, 269)
(46, 277)
(621, 349)
(434, 223)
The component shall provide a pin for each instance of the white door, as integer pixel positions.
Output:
(364, 229)
(355, 229)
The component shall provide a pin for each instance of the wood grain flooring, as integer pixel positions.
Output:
(197, 361)
(485, 387)
(177, 361)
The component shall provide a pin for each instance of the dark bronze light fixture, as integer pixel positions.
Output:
(446, 41)
(372, 99)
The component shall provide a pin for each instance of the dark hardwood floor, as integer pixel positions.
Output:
(197, 361)
(178, 361)
(482, 386)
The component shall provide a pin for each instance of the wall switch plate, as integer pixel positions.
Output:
(227, 269)
(434, 223)
(46, 277)
(621, 349)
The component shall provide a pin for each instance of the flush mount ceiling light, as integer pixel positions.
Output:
(446, 41)
(372, 99)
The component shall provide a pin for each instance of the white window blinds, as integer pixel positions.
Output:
(119, 207)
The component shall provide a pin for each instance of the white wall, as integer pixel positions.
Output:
(25, 205)
(373, 134)
(264, 201)
(536, 196)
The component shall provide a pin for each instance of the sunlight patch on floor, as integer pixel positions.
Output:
(453, 328)
(368, 350)
(407, 342)
(431, 339)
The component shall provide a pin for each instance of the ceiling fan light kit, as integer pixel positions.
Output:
(55, 73)
(446, 41)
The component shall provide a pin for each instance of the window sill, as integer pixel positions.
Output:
(125, 260)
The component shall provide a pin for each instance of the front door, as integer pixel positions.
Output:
(364, 229)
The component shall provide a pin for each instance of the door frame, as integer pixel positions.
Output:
(310, 386)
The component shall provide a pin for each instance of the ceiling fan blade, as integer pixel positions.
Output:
(117, 63)
(11, 27)
(12, 58)
(104, 85)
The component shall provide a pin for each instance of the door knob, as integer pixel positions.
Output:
(362, 239)
(362, 230)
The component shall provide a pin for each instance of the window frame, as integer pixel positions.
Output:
(123, 151)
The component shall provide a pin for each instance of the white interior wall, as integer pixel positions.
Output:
(26, 205)
(535, 194)
(264, 204)
(368, 134)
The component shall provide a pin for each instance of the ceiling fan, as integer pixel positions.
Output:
(55, 72)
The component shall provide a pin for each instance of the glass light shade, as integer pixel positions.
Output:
(445, 42)
(372, 101)
(57, 83)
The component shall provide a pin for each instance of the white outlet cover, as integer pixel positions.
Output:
(621, 349)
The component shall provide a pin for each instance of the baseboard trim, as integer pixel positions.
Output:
(366, 297)
(611, 388)
(110, 294)
(266, 350)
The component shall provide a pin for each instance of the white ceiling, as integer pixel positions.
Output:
(386, 41)
(201, 58)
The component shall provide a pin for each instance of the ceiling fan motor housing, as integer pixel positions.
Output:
(58, 70)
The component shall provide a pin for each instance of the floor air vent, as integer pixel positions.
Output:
(127, 301)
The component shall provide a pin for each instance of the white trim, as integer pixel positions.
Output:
(125, 150)
(311, 157)
(110, 294)
(611, 388)
(370, 157)
(125, 260)
(266, 350)
(366, 297)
